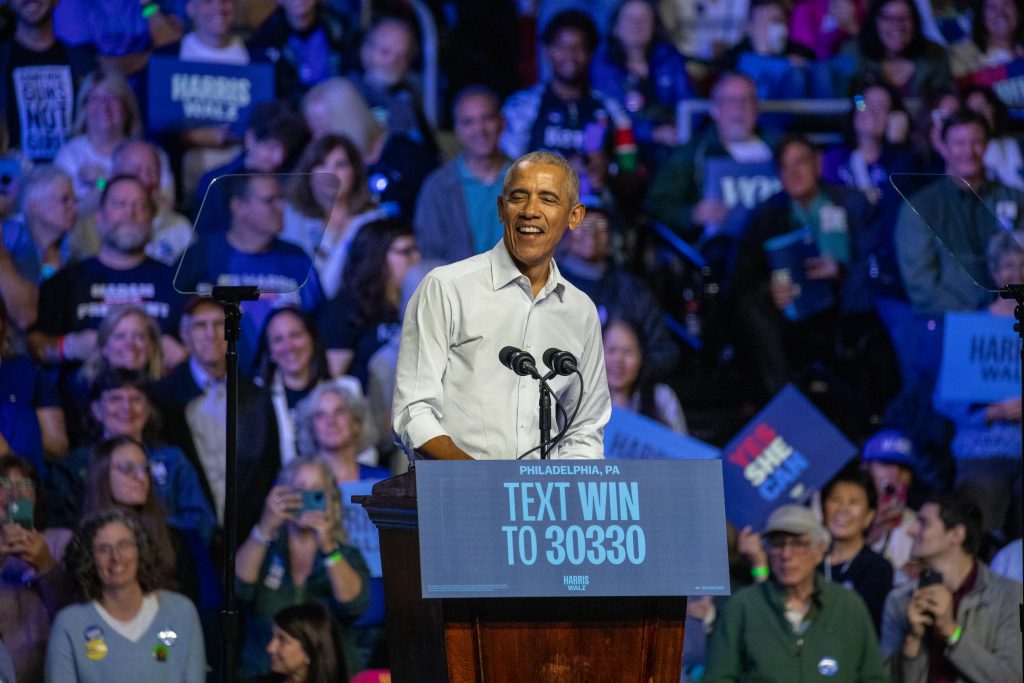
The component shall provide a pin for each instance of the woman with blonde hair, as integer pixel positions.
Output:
(335, 106)
(127, 338)
(396, 163)
(108, 114)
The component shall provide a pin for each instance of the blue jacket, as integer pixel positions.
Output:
(667, 76)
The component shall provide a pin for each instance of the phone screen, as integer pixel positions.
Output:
(21, 511)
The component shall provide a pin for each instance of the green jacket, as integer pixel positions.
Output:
(679, 183)
(753, 641)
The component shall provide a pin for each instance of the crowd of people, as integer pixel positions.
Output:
(336, 196)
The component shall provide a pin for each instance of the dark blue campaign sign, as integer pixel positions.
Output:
(781, 456)
(508, 528)
(739, 185)
(786, 255)
(184, 95)
(629, 436)
(980, 359)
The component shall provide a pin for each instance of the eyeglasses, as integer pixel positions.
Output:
(102, 99)
(271, 200)
(122, 547)
(17, 485)
(122, 399)
(895, 18)
(798, 544)
(404, 251)
(128, 469)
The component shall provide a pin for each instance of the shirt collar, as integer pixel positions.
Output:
(778, 594)
(202, 378)
(505, 272)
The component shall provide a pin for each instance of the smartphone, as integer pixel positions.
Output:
(312, 500)
(929, 577)
(21, 511)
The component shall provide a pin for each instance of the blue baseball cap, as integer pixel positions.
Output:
(890, 445)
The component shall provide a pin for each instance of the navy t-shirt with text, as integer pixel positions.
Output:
(79, 296)
(280, 272)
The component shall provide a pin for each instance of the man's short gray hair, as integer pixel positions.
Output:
(36, 179)
(572, 178)
(125, 145)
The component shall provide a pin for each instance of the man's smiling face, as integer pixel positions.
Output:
(535, 210)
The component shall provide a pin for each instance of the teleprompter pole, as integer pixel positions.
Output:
(1016, 293)
(231, 298)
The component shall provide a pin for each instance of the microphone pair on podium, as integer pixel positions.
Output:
(522, 363)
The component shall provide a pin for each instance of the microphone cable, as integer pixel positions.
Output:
(561, 434)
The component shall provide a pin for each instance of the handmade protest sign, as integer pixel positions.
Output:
(781, 456)
(46, 97)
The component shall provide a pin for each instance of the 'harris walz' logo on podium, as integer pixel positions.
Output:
(576, 582)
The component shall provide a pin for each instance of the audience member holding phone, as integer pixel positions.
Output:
(32, 585)
(298, 553)
(959, 622)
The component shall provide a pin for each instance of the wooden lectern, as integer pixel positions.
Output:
(494, 640)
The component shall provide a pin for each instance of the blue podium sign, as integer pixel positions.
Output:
(507, 528)
(781, 456)
(630, 436)
(980, 359)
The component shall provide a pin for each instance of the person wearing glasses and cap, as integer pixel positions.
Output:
(795, 626)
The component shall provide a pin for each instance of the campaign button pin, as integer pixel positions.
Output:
(96, 650)
(828, 666)
(167, 637)
(160, 652)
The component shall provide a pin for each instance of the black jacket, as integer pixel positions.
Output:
(259, 457)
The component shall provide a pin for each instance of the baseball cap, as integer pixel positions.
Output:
(795, 519)
(890, 445)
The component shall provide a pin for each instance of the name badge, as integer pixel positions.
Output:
(832, 219)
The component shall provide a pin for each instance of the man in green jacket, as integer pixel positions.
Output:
(677, 195)
(794, 627)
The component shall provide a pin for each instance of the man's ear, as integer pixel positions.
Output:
(576, 215)
(871, 519)
(959, 533)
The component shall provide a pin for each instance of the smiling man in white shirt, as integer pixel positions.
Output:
(453, 398)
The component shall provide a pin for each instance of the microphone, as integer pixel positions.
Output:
(518, 361)
(560, 362)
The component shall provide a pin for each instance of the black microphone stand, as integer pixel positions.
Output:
(1016, 293)
(545, 414)
(231, 298)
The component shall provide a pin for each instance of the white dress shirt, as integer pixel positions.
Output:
(450, 382)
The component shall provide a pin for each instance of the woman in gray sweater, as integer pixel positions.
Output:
(127, 630)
